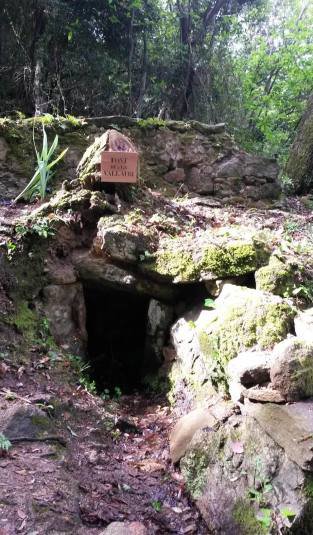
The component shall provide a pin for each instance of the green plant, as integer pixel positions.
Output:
(88, 384)
(79, 365)
(105, 394)
(209, 303)
(157, 505)
(116, 434)
(151, 122)
(290, 226)
(117, 393)
(265, 517)
(305, 291)
(262, 484)
(5, 444)
(287, 513)
(38, 183)
(41, 226)
(11, 247)
(259, 495)
(145, 256)
(75, 121)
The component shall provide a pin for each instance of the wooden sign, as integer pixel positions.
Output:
(119, 166)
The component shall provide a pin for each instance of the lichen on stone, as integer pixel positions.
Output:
(278, 277)
(186, 260)
(195, 463)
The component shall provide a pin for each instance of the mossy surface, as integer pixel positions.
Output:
(233, 260)
(243, 319)
(151, 122)
(25, 320)
(178, 265)
(244, 516)
(277, 277)
(216, 261)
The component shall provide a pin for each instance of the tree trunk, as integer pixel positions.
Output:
(39, 100)
(143, 77)
(299, 167)
(130, 62)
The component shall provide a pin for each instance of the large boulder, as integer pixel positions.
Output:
(247, 482)
(206, 257)
(201, 158)
(206, 340)
(283, 374)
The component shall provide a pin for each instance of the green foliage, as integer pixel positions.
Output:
(5, 444)
(88, 384)
(265, 517)
(157, 505)
(209, 303)
(11, 248)
(43, 174)
(41, 226)
(305, 291)
(260, 494)
(275, 67)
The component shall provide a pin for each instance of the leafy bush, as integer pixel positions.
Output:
(43, 174)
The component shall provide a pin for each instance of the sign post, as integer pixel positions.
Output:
(119, 166)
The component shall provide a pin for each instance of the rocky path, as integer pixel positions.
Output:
(113, 468)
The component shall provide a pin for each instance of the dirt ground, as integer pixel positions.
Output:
(98, 461)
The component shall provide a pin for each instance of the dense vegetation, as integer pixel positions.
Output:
(246, 62)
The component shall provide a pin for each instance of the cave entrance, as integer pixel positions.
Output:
(116, 323)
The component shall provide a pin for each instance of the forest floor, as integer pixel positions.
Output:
(96, 461)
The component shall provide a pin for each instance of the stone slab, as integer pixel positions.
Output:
(185, 429)
(290, 426)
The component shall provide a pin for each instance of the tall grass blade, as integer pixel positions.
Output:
(39, 181)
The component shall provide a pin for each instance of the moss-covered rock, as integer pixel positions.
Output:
(90, 204)
(244, 317)
(176, 265)
(25, 320)
(205, 341)
(187, 262)
(277, 277)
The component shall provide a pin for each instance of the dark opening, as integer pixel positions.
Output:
(116, 326)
